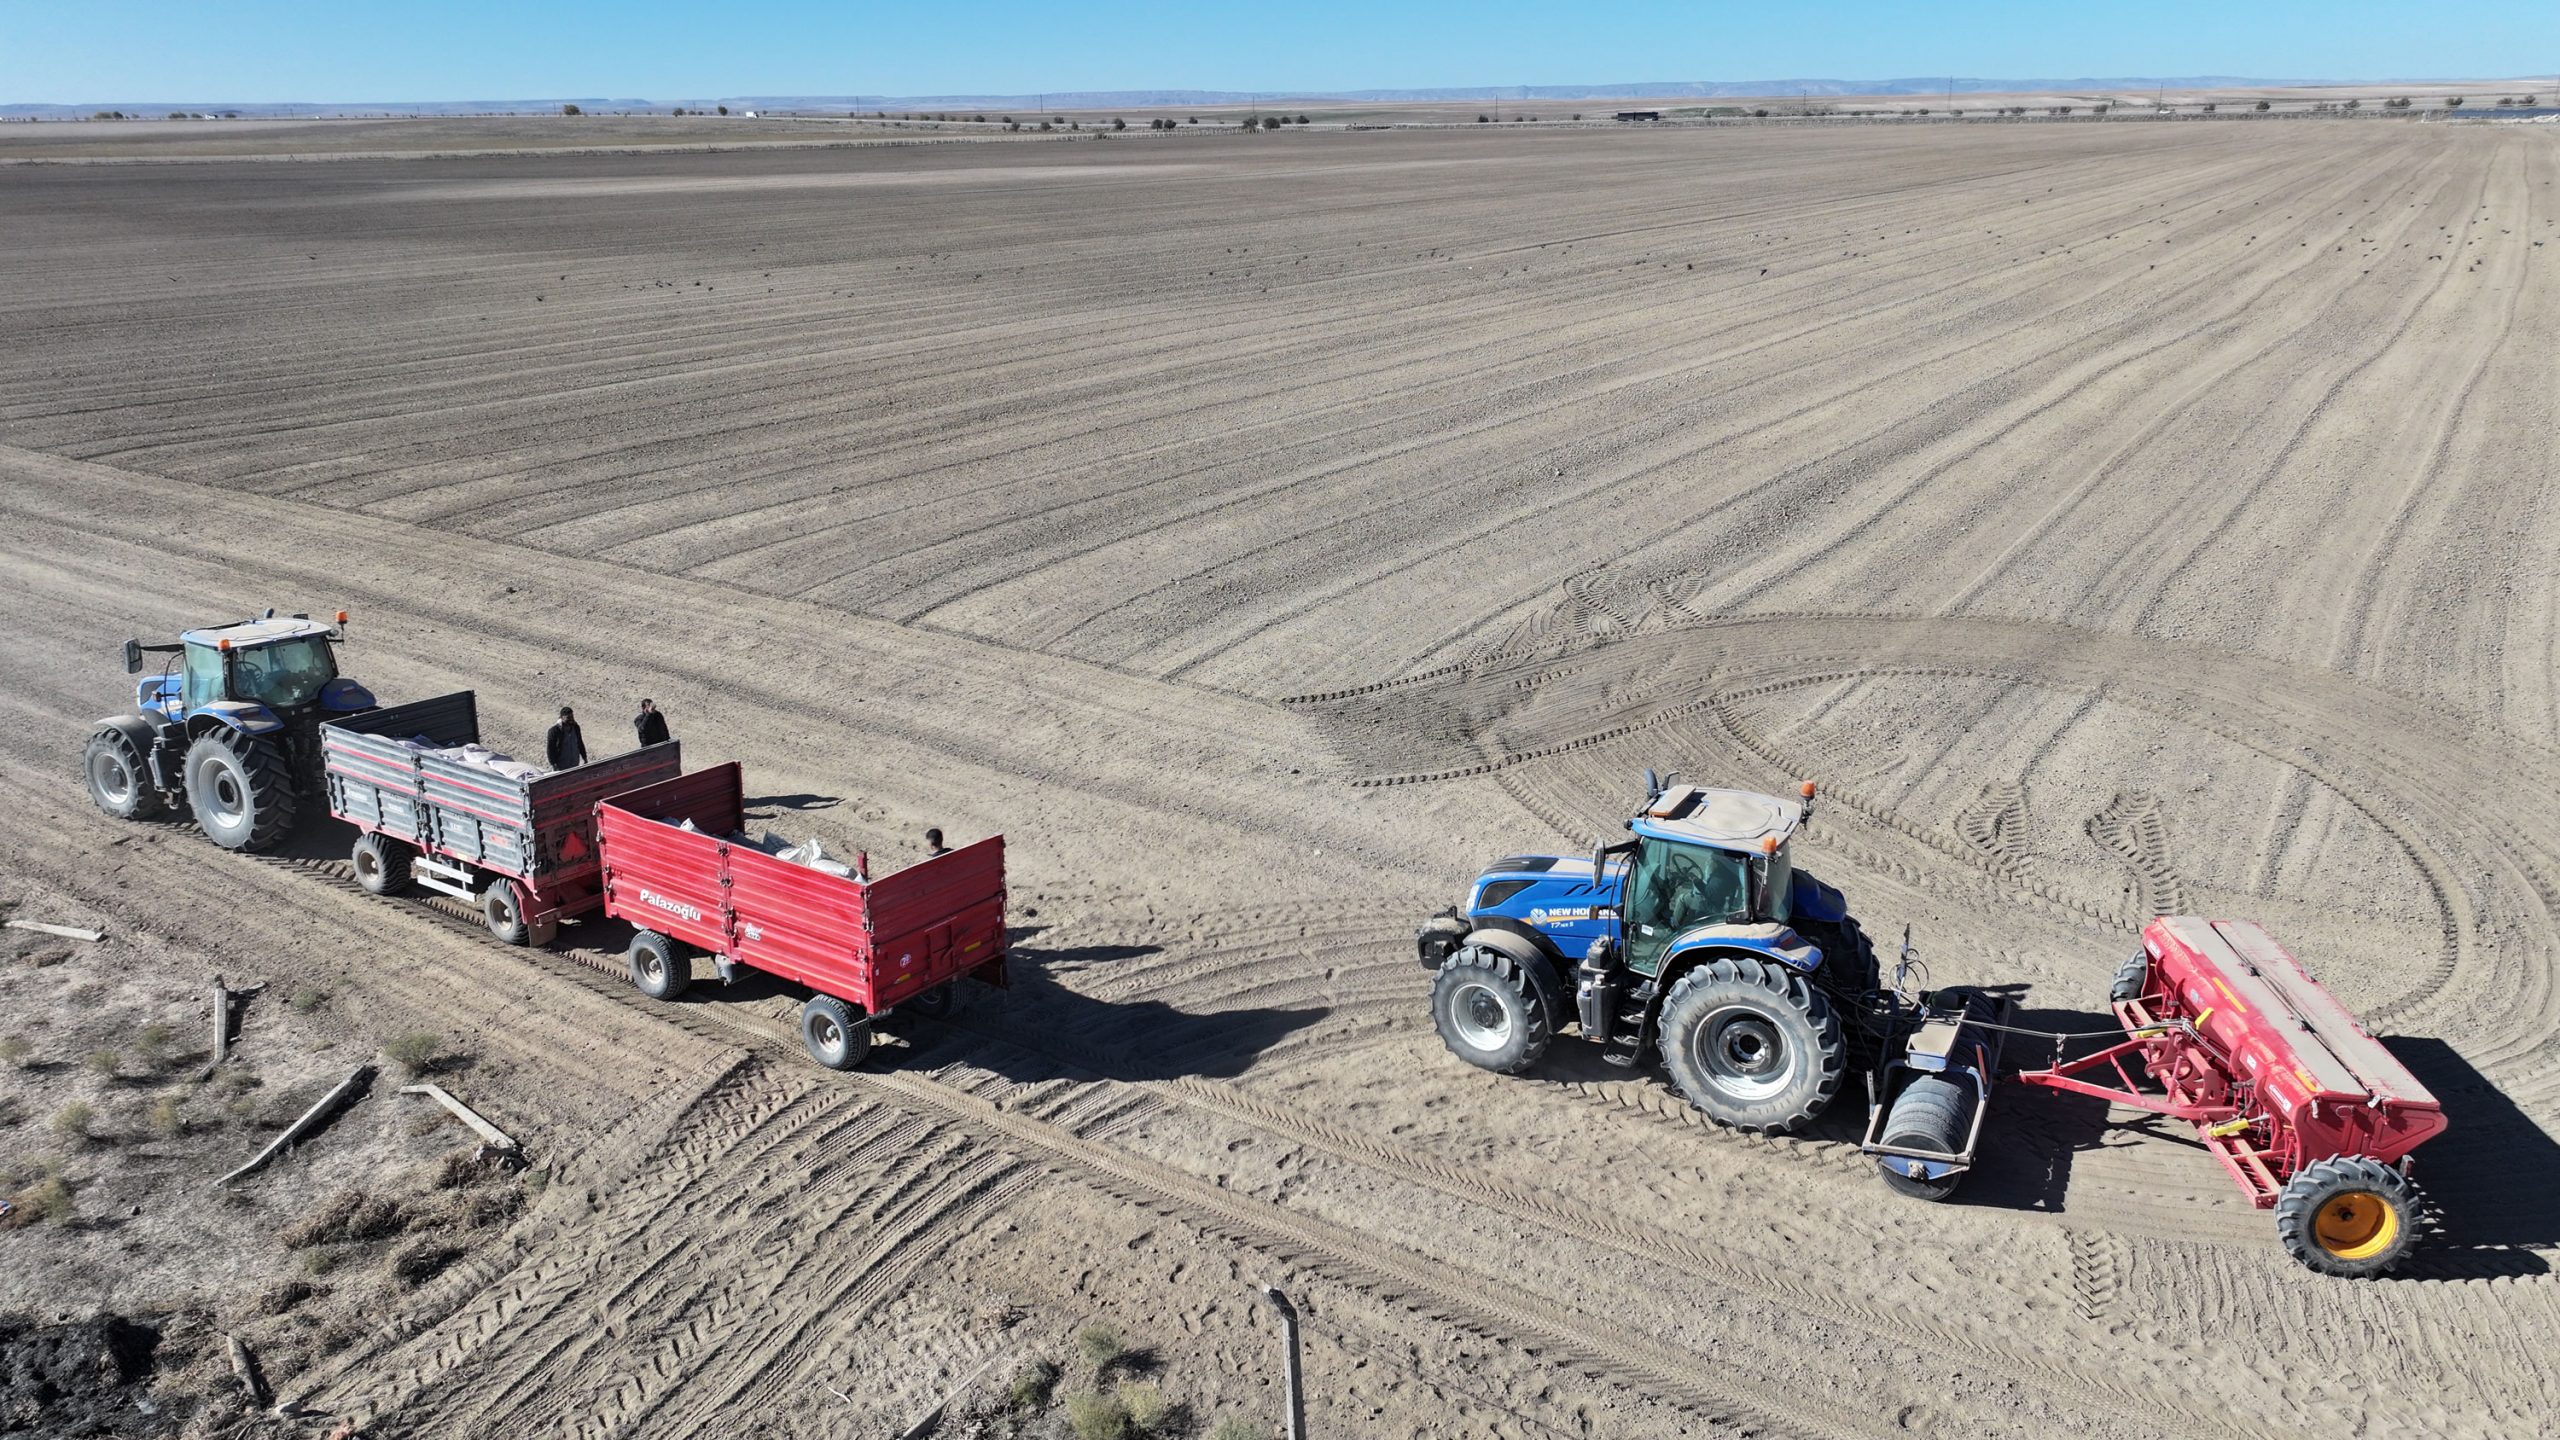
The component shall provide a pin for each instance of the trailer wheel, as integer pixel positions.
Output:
(658, 967)
(1492, 1010)
(381, 863)
(2131, 976)
(836, 1031)
(1752, 1044)
(117, 780)
(935, 1003)
(502, 909)
(1929, 1114)
(2351, 1215)
(241, 790)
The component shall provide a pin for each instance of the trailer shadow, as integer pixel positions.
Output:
(1045, 1030)
(2490, 1175)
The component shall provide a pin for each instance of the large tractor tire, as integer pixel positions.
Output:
(836, 1032)
(119, 780)
(241, 790)
(1753, 1044)
(1494, 1010)
(382, 864)
(2351, 1216)
(1931, 1113)
(1849, 967)
(660, 968)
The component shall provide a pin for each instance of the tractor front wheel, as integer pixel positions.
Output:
(1493, 1010)
(241, 790)
(1753, 1044)
(2351, 1215)
(117, 780)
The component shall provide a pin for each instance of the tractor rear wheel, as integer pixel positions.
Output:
(1753, 1044)
(1493, 1010)
(381, 863)
(241, 790)
(117, 780)
(2351, 1215)
(659, 967)
(836, 1031)
(1929, 1114)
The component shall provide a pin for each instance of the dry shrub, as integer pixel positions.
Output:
(72, 1121)
(493, 1207)
(50, 1198)
(282, 1296)
(1236, 1427)
(308, 999)
(1031, 1387)
(45, 955)
(153, 1041)
(1147, 1408)
(460, 1169)
(344, 1218)
(1100, 1345)
(105, 1061)
(414, 1050)
(423, 1261)
(1097, 1417)
(168, 1118)
(14, 1049)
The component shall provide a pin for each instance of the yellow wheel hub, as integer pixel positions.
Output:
(2356, 1225)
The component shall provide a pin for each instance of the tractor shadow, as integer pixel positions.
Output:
(2490, 1175)
(2032, 1136)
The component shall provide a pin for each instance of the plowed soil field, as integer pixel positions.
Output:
(1263, 532)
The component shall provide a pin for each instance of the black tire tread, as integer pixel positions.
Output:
(679, 968)
(1785, 986)
(1538, 1003)
(1929, 1114)
(2312, 1186)
(147, 803)
(272, 800)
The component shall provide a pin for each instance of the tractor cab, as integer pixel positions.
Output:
(253, 675)
(1704, 857)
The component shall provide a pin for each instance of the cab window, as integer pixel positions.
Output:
(204, 676)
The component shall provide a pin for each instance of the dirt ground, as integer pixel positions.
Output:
(1262, 533)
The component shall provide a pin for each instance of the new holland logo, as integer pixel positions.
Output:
(673, 907)
(1561, 913)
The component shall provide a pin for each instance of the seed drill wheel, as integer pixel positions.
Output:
(113, 765)
(1493, 1010)
(1753, 1044)
(241, 790)
(2352, 1216)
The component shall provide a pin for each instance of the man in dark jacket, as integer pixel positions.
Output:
(651, 725)
(564, 746)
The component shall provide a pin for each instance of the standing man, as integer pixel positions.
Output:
(651, 725)
(564, 746)
(933, 845)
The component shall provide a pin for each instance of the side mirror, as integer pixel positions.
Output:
(133, 657)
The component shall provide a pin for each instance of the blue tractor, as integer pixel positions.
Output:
(230, 727)
(1695, 938)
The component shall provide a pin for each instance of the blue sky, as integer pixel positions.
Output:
(254, 50)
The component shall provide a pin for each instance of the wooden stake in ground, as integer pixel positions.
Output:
(496, 1138)
(67, 932)
(310, 1118)
(221, 1028)
(245, 1365)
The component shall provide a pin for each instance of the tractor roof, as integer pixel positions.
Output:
(1724, 819)
(248, 634)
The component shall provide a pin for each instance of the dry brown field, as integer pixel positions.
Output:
(1262, 533)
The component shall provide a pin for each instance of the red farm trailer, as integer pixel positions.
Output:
(2222, 1029)
(518, 843)
(678, 868)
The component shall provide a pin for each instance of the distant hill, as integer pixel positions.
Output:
(1146, 99)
